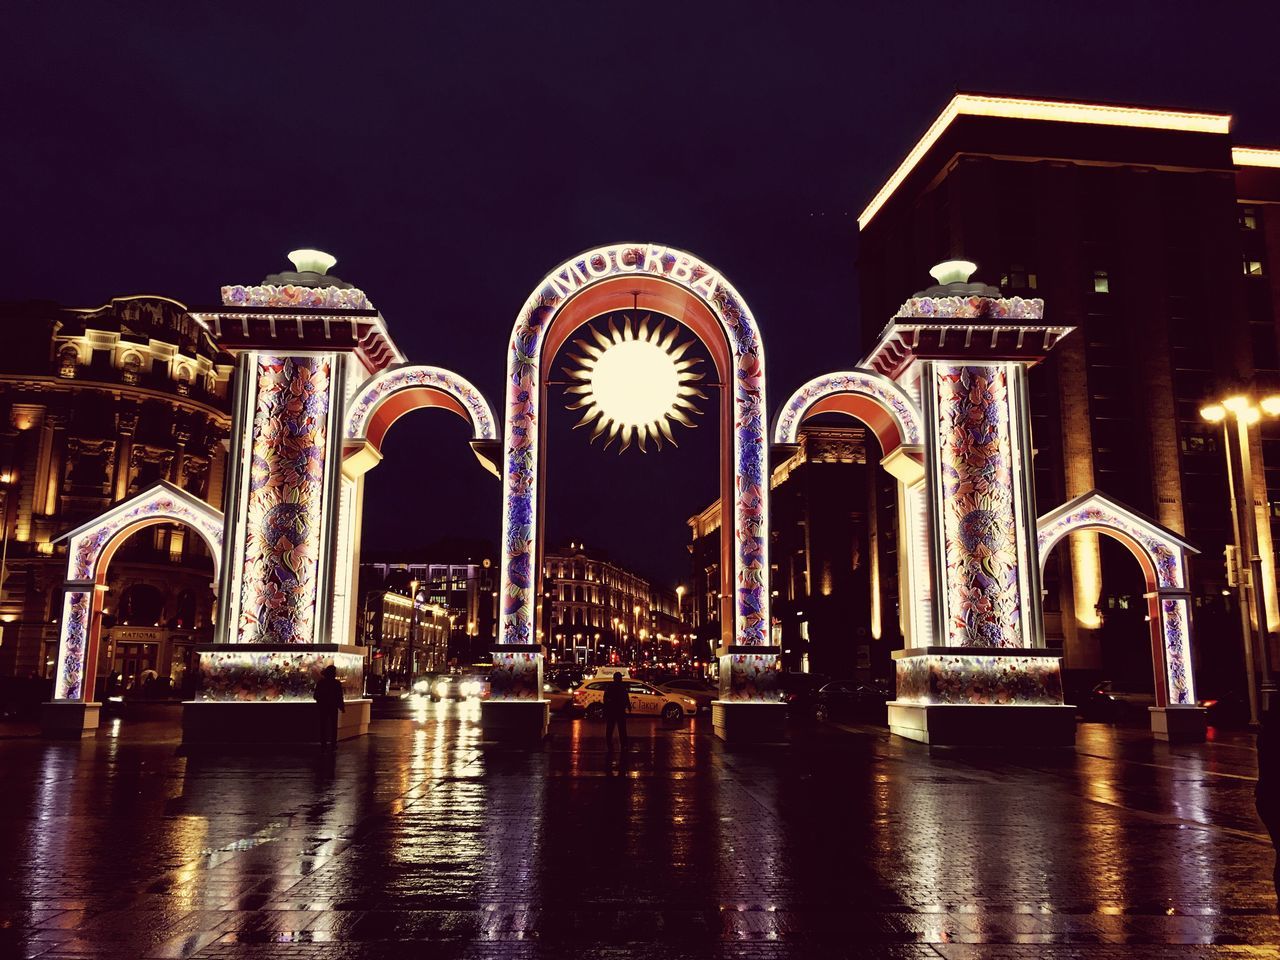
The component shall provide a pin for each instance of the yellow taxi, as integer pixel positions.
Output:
(643, 700)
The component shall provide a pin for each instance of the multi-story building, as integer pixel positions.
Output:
(406, 635)
(97, 405)
(467, 588)
(1157, 238)
(594, 609)
(826, 579)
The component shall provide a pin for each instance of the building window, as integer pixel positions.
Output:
(132, 364)
(1248, 218)
(68, 360)
(1101, 282)
(1252, 268)
(1018, 279)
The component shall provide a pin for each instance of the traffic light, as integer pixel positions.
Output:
(1232, 561)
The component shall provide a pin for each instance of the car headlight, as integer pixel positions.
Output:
(421, 686)
(442, 688)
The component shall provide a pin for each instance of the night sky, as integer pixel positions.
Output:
(450, 154)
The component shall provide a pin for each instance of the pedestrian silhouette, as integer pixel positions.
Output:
(615, 711)
(328, 696)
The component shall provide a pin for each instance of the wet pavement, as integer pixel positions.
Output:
(419, 841)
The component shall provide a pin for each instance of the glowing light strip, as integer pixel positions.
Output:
(1016, 108)
(1255, 157)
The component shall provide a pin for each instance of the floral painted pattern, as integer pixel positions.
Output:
(748, 677)
(288, 295)
(1177, 651)
(373, 393)
(274, 675)
(968, 679)
(973, 308)
(979, 529)
(865, 382)
(1165, 555)
(159, 503)
(73, 646)
(284, 512)
(516, 675)
(521, 469)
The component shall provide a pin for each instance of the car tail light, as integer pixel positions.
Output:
(578, 697)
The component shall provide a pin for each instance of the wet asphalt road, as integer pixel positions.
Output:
(419, 841)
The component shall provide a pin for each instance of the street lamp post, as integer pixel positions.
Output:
(1252, 593)
(413, 628)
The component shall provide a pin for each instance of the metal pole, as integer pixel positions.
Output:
(1256, 586)
(4, 553)
(1242, 598)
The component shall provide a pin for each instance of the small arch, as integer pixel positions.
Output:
(90, 548)
(869, 396)
(1162, 554)
(388, 395)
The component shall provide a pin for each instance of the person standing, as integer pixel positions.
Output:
(328, 694)
(616, 703)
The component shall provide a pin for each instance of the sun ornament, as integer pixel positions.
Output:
(632, 383)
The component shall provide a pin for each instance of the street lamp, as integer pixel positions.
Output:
(1244, 521)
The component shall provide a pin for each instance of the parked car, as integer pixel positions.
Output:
(851, 700)
(643, 700)
(1109, 704)
(697, 689)
(799, 691)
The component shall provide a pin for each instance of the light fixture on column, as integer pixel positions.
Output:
(634, 382)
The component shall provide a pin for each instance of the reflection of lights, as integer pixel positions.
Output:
(633, 382)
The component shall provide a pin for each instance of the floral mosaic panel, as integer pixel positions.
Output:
(274, 675)
(74, 645)
(1177, 651)
(973, 308)
(403, 378)
(516, 675)
(283, 518)
(749, 677)
(160, 504)
(1166, 556)
(521, 469)
(864, 382)
(288, 295)
(969, 679)
(979, 528)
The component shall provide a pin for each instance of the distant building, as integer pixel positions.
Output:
(405, 638)
(467, 589)
(1158, 238)
(834, 603)
(595, 611)
(97, 404)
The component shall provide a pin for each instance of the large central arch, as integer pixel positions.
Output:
(676, 284)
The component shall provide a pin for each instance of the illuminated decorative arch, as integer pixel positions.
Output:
(891, 414)
(1162, 554)
(90, 548)
(869, 396)
(664, 281)
(388, 395)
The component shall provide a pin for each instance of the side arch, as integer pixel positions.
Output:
(891, 414)
(676, 284)
(388, 395)
(90, 549)
(871, 397)
(1162, 554)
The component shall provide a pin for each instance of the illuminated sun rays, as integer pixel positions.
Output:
(632, 383)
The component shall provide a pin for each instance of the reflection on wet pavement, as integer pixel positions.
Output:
(421, 841)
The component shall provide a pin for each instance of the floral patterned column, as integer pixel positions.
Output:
(280, 529)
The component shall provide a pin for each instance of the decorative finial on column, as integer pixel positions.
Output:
(312, 261)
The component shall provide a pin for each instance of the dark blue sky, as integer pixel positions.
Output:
(450, 154)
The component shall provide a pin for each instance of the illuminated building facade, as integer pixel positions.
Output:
(1158, 239)
(595, 609)
(823, 509)
(405, 638)
(467, 589)
(99, 404)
